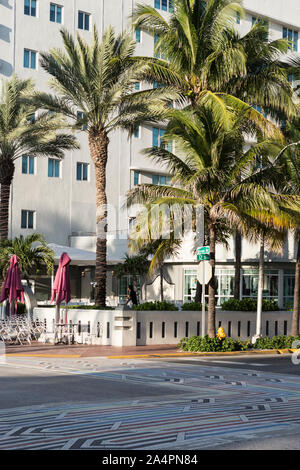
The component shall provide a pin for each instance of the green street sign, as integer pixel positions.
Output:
(203, 257)
(203, 250)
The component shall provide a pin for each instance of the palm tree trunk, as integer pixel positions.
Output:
(238, 256)
(260, 287)
(212, 284)
(7, 169)
(98, 144)
(161, 271)
(295, 319)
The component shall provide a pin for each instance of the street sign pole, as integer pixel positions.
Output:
(203, 299)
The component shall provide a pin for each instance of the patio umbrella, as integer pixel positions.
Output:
(13, 289)
(61, 287)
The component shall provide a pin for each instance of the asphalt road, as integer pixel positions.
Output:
(277, 364)
(195, 403)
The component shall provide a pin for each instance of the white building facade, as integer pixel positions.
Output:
(57, 198)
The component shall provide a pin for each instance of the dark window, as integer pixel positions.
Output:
(53, 168)
(82, 171)
(55, 13)
(186, 329)
(138, 330)
(83, 20)
(229, 329)
(30, 7)
(239, 329)
(27, 219)
(163, 329)
(175, 329)
(151, 330)
(248, 328)
(198, 328)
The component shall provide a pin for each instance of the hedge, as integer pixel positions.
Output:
(249, 305)
(206, 344)
(156, 306)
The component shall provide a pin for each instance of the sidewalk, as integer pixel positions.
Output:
(75, 351)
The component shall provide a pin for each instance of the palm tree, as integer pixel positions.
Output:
(134, 266)
(160, 249)
(290, 168)
(210, 168)
(19, 135)
(33, 254)
(98, 80)
(198, 48)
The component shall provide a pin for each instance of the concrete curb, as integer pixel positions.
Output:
(70, 356)
(162, 355)
(196, 354)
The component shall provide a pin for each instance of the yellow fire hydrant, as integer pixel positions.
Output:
(221, 333)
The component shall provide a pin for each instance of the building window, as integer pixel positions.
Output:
(84, 20)
(30, 7)
(82, 171)
(292, 37)
(136, 178)
(138, 35)
(27, 218)
(161, 180)
(136, 132)
(238, 17)
(157, 139)
(29, 59)
(158, 54)
(27, 165)
(288, 288)
(81, 117)
(55, 13)
(190, 284)
(224, 284)
(137, 86)
(165, 5)
(270, 284)
(53, 168)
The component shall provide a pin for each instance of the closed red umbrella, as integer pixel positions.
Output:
(13, 289)
(61, 287)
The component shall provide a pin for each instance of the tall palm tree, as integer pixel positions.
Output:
(290, 184)
(198, 48)
(19, 135)
(98, 79)
(210, 168)
(33, 254)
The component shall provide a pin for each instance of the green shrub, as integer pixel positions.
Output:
(249, 305)
(277, 342)
(192, 306)
(206, 344)
(79, 307)
(156, 306)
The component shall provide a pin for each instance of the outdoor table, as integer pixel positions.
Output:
(68, 332)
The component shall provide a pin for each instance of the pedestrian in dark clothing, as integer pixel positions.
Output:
(132, 297)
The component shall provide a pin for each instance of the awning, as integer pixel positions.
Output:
(78, 257)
